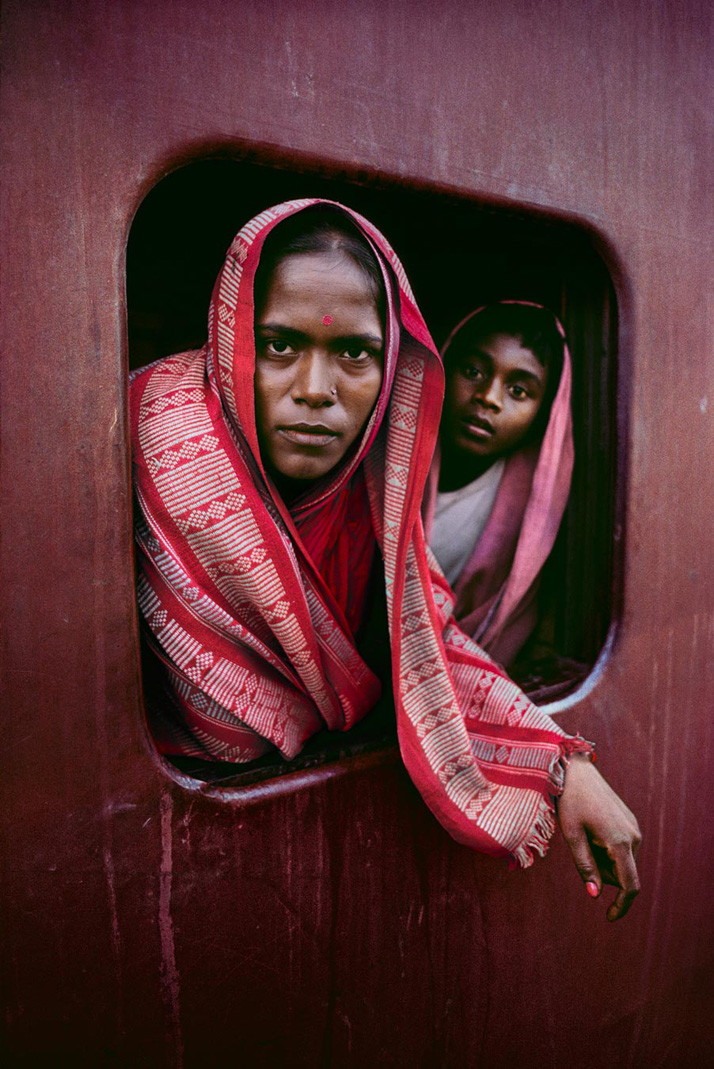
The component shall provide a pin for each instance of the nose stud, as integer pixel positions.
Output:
(333, 391)
(327, 320)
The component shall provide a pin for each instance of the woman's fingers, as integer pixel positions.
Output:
(585, 863)
(628, 881)
(605, 866)
(597, 867)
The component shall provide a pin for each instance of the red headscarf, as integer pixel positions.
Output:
(496, 591)
(254, 642)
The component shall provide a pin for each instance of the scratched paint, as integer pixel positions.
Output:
(170, 982)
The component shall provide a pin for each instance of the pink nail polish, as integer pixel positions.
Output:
(592, 888)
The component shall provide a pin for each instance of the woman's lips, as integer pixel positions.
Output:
(477, 428)
(314, 436)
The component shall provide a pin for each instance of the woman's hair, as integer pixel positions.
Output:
(319, 229)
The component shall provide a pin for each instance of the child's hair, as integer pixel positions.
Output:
(319, 229)
(534, 327)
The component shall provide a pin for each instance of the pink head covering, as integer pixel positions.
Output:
(496, 591)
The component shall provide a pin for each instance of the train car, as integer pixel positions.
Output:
(315, 913)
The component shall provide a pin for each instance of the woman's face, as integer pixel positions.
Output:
(319, 357)
(494, 392)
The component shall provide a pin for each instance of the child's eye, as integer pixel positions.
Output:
(519, 392)
(473, 373)
(278, 348)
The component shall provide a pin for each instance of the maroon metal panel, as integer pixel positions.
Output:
(329, 920)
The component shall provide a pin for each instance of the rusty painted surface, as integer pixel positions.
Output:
(328, 920)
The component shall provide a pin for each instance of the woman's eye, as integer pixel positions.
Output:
(357, 354)
(279, 348)
(472, 373)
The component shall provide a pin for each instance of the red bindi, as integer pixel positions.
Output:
(327, 320)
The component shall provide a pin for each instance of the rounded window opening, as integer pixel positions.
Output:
(458, 254)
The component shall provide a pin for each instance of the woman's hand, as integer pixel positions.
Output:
(602, 833)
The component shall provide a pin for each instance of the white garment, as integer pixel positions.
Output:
(459, 520)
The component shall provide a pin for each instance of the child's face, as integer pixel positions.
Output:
(494, 392)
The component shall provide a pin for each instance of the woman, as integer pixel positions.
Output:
(273, 469)
(500, 480)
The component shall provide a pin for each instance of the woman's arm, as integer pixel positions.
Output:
(602, 833)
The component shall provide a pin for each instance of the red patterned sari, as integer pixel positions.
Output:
(250, 608)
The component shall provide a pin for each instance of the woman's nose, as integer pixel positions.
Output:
(314, 380)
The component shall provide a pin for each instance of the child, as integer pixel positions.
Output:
(499, 485)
